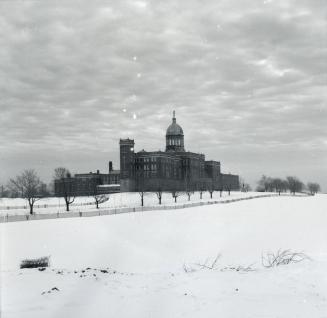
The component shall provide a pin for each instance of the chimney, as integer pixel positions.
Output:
(98, 171)
(110, 166)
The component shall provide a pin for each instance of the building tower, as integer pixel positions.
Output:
(126, 158)
(174, 137)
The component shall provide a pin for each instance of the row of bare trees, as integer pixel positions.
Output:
(291, 184)
(29, 186)
(188, 188)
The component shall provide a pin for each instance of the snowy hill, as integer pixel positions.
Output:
(153, 263)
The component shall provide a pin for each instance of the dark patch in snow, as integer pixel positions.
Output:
(50, 290)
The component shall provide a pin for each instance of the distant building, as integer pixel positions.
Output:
(83, 184)
(172, 169)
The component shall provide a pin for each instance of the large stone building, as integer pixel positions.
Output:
(169, 170)
(172, 169)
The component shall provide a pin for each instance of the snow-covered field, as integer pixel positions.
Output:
(18, 206)
(152, 261)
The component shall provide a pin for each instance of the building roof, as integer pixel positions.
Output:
(174, 129)
(96, 174)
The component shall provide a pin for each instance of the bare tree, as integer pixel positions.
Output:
(264, 184)
(28, 184)
(211, 188)
(159, 190)
(60, 173)
(175, 194)
(294, 184)
(188, 185)
(313, 187)
(65, 185)
(96, 192)
(201, 190)
(159, 195)
(189, 193)
(277, 184)
(284, 186)
(245, 187)
(140, 184)
(228, 188)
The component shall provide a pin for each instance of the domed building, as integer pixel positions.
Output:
(172, 169)
(174, 136)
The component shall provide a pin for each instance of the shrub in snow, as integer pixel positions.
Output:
(36, 262)
(282, 257)
(208, 264)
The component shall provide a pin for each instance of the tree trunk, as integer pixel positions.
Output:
(31, 208)
(67, 206)
(210, 194)
(160, 200)
(200, 195)
(228, 191)
(142, 200)
(221, 192)
(97, 204)
(175, 199)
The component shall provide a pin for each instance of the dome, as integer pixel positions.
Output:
(174, 137)
(174, 129)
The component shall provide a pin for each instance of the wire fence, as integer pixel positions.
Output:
(41, 206)
(112, 211)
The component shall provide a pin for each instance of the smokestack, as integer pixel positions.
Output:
(110, 166)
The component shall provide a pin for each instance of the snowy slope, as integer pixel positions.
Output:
(146, 253)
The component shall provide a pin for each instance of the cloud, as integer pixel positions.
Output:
(245, 77)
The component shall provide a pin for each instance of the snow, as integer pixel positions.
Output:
(145, 254)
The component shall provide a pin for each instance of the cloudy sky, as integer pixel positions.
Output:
(247, 79)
